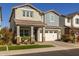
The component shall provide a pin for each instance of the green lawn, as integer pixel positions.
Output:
(19, 47)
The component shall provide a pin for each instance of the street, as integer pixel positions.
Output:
(71, 52)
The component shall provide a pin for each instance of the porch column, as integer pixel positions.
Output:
(38, 34)
(32, 34)
(18, 35)
(43, 34)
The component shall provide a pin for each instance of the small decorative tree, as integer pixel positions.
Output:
(6, 35)
(72, 37)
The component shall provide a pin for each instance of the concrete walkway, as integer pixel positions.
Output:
(58, 46)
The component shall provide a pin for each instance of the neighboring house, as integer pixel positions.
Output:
(53, 27)
(72, 23)
(26, 20)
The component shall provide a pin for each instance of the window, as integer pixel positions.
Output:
(55, 31)
(51, 31)
(40, 31)
(46, 31)
(21, 32)
(23, 13)
(77, 21)
(51, 18)
(27, 13)
(68, 20)
(24, 32)
(31, 14)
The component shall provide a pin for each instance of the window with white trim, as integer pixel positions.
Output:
(46, 31)
(27, 13)
(77, 21)
(24, 32)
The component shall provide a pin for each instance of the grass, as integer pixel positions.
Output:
(20, 47)
(2, 48)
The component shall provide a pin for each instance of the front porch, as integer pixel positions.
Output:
(31, 28)
(32, 31)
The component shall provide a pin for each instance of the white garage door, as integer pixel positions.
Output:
(49, 36)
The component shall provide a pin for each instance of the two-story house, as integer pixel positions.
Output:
(72, 23)
(26, 20)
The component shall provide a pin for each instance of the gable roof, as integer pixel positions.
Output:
(19, 6)
(27, 4)
(53, 12)
(71, 15)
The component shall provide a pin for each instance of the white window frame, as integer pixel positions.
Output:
(77, 21)
(27, 13)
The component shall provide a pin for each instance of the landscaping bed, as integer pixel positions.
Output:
(19, 47)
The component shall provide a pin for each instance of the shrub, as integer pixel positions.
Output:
(25, 39)
(72, 38)
(2, 42)
(7, 35)
(3, 48)
(78, 38)
(19, 47)
(65, 38)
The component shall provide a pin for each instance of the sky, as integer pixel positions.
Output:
(62, 8)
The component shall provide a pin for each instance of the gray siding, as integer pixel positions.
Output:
(61, 24)
(51, 19)
(61, 21)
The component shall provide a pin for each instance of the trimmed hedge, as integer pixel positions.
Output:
(2, 48)
(19, 47)
(28, 47)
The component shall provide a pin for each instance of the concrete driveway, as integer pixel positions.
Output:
(61, 44)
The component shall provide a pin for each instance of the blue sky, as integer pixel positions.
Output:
(62, 8)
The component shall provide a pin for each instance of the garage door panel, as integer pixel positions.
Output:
(49, 36)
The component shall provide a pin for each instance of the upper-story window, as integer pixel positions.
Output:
(77, 21)
(27, 13)
(68, 20)
(51, 18)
